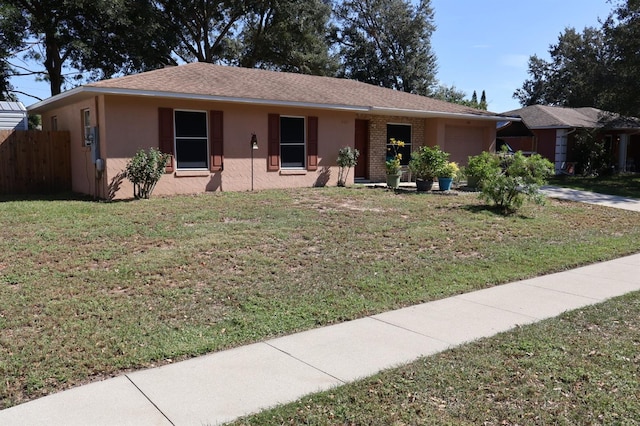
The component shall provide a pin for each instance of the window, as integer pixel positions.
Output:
(292, 143)
(54, 123)
(86, 127)
(192, 146)
(400, 132)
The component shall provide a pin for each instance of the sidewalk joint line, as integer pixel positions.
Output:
(149, 399)
(411, 331)
(306, 363)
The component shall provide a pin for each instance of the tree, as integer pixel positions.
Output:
(576, 76)
(387, 43)
(622, 32)
(453, 95)
(288, 35)
(11, 36)
(103, 36)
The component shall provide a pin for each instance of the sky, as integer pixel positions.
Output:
(479, 44)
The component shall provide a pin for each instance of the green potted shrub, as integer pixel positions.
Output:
(447, 174)
(393, 165)
(425, 164)
(480, 168)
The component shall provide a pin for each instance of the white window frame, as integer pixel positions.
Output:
(86, 127)
(408, 143)
(303, 144)
(205, 138)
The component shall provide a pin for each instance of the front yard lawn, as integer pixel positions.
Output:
(90, 290)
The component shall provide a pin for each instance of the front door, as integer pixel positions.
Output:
(362, 145)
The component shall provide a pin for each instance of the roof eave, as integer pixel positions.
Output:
(439, 114)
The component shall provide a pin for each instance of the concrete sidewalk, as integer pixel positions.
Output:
(614, 201)
(223, 386)
(220, 387)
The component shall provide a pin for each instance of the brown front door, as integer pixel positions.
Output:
(362, 145)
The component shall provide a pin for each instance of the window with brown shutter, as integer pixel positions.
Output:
(273, 157)
(312, 143)
(165, 132)
(216, 142)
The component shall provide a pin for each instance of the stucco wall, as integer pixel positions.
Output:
(128, 124)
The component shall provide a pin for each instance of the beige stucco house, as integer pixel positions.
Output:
(205, 116)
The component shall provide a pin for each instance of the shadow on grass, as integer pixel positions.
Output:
(58, 196)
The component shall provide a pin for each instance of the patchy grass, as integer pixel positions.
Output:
(624, 185)
(89, 290)
(580, 368)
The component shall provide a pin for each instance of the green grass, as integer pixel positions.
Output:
(582, 368)
(625, 185)
(89, 290)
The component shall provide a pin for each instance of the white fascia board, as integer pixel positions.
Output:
(439, 114)
(88, 90)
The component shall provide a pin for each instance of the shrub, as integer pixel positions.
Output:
(481, 167)
(519, 180)
(427, 161)
(144, 171)
(347, 158)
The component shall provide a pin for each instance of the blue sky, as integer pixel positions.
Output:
(485, 44)
(480, 44)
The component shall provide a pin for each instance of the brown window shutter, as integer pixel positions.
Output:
(273, 158)
(165, 120)
(216, 141)
(312, 143)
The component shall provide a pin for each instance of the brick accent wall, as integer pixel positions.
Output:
(378, 140)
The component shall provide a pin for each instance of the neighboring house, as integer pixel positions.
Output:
(205, 116)
(13, 116)
(550, 131)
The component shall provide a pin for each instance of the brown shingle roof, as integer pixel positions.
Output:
(542, 116)
(246, 85)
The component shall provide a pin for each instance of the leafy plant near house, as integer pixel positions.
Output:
(480, 168)
(144, 171)
(347, 158)
(392, 164)
(519, 180)
(426, 161)
(449, 170)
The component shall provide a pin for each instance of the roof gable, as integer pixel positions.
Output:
(233, 84)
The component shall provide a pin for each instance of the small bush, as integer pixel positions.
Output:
(481, 167)
(519, 180)
(144, 171)
(347, 158)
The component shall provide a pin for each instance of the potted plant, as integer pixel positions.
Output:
(480, 168)
(392, 165)
(425, 164)
(446, 175)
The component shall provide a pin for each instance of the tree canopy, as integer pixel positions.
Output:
(388, 43)
(383, 42)
(597, 67)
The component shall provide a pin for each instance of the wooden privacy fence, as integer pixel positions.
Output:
(34, 162)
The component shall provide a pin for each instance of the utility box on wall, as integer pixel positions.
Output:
(13, 116)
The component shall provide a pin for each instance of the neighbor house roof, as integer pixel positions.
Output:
(205, 81)
(552, 117)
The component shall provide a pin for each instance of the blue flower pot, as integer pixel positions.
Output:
(445, 183)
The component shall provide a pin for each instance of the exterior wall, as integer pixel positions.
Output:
(378, 140)
(481, 136)
(128, 124)
(83, 174)
(546, 143)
